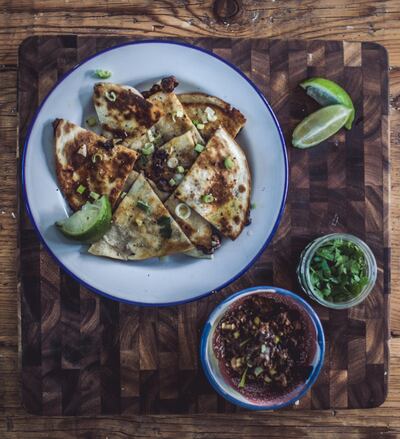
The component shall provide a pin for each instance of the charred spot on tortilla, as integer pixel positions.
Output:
(166, 85)
(87, 162)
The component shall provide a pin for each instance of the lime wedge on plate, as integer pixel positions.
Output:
(320, 125)
(327, 92)
(89, 223)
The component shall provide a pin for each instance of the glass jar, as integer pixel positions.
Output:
(303, 270)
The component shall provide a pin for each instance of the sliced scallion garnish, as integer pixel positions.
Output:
(208, 198)
(81, 189)
(102, 74)
(172, 182)
(111, 96)
(94, 195)
(182, 211)
(199, 147)
(180, 169)
(148, 148)
(229, 164)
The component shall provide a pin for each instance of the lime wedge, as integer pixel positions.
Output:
(88, 224)
(320, 125)
(327, 92)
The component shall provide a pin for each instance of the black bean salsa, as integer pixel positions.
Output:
(265, 345)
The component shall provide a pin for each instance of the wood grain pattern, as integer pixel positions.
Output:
(82, 354)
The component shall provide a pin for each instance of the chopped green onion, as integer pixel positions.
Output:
(243, 379)
(102, 74)
(229, 164)
(200, 126)
(199, 147)
(111, 96)
(195, 122)
(81, 189)
(267, 379)
(258, 370)
(150, 136)
(172, 182)
(91, 121)
(148, 148)
(182, 211)
(236, 334)
(96, 158)
(142, 205)
(172, 162)
(123, 195)
(277, 339)
(209, 198)
(94, 195)
(179, 114)
(180, 169)
(257, 321)
(178, 178)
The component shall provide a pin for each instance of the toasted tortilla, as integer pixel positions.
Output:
(228, 117)
(123, 111)
(89, 161)
(138, 234)
(158, 167)
(200, 233)
(229, 189)
(173, 123)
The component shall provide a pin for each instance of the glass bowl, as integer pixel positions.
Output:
(211, 364)
(303, 271)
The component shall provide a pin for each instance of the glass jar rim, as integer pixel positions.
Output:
(308, 253)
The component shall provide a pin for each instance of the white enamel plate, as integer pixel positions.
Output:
(180, 278)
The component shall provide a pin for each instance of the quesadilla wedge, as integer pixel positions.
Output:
(218, 185)
(211, 112)
(167, 164)
(142, 228)
(123, 111)
(200, 233)
(173, 123)
(89, 164)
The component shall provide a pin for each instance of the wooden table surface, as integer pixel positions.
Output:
(353, 20)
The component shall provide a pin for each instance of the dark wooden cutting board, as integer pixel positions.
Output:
(86, 355)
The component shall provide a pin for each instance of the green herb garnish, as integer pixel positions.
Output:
(208, 198)
(199, 147)
(338, 271)
(102, 74)
(111, 96)
(148, 148)
(81, 189)
(165, 226)
(142, 205)
(243, 379)
(94, 195)
(229, 164)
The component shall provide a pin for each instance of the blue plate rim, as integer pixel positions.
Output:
(75, 276)
(320, 340)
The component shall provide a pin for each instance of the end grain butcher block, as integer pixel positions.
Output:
(84, 355)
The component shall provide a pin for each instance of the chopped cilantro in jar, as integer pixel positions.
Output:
(337, 270)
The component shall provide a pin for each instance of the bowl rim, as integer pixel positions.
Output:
(205, 338)
(76, 276)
